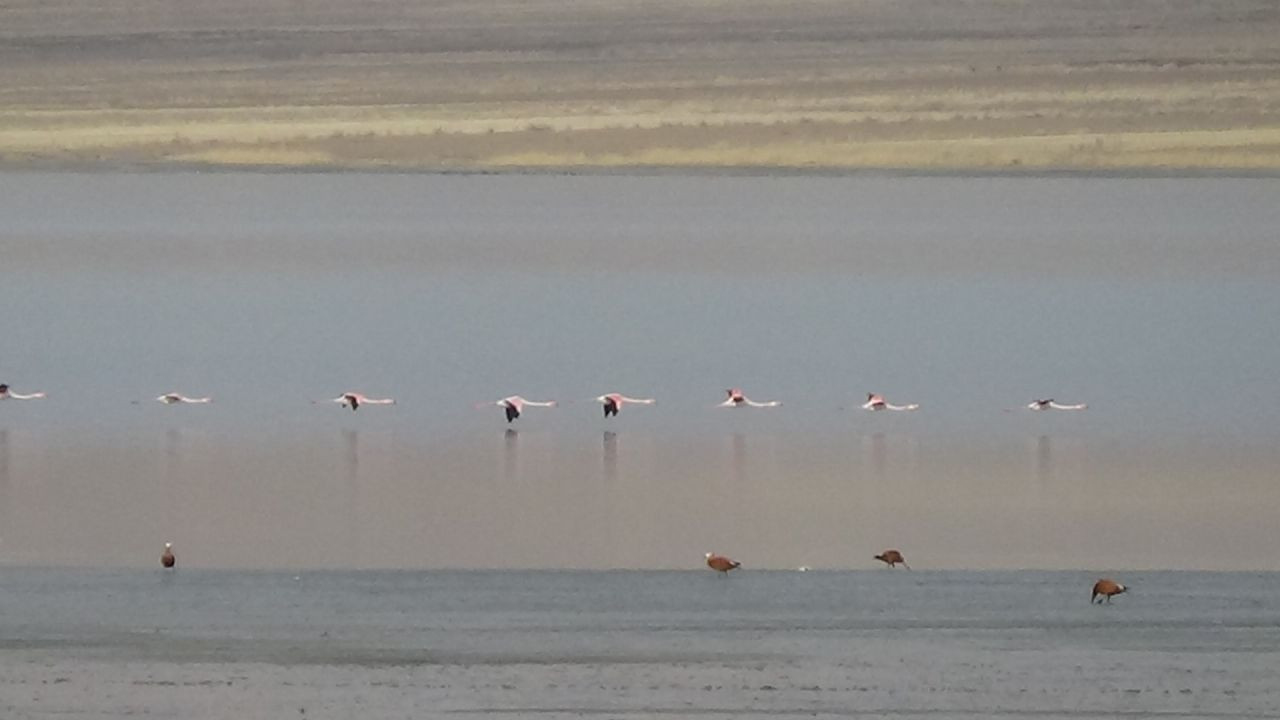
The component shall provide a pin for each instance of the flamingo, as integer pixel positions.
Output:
(737, 399)
(515, 405)
(892, 558)
(172, 398)
(613, 402)
(1051, 404)
(877, 402)
(354, 400)
(7, 394)
(721, 564)
(1106, 588)
(167, 558)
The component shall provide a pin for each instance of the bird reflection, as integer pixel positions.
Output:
(172, 476)
(1044, 459)
(172, 468)
(739, 458)
(4, 483)
(351, 444)
(878, 450)
(610, 456)
(511, 454)
(172, 455)
(351, 439)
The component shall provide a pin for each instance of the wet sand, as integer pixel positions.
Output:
(920, 84)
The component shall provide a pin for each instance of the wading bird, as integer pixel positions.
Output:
(515, 405)
(877, 402)
(354, 400)
(613, 402)
(173, 398)
(1106, 588)
(167, 558)
(737, 399)
(721, 563)
(892, 558)
(7, 394)
(1051, 404)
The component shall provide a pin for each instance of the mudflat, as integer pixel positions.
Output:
(1023, 645)
(762, 84)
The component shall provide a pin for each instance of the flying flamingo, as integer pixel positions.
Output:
(877, 402)
(737, 399)
(1051, 404)
(172, 398)
(354, 400)
(613, 402)
(7, 394)
(515, 405)
(721, 564)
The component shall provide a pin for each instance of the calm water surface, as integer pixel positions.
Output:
(1155, 301)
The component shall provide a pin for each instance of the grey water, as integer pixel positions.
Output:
(1155, 301)
(882, 643)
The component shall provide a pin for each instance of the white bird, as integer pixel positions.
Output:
(7, 394)
(354, 400)
(613, 402)
(171, 398)
(737, 399)
(877, 402)
(515, 405)
(1050, 404)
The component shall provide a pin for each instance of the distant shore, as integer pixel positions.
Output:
(102, 167)
(827, 87)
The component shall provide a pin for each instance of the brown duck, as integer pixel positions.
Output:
(892, 558)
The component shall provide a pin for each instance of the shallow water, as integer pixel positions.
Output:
(885, 643)
(1154, 300)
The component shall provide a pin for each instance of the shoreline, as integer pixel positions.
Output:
(691, 171)
(918, 87)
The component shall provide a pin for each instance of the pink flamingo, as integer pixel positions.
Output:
(877, 402)
(1051, 404)
(737, 399)
(613, 402)
(354, 400)
(515, 405)
(172, 398)
(7, 394)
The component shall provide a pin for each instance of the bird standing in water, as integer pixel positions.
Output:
(892, 558)
(1106, 588)
(721, 564)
